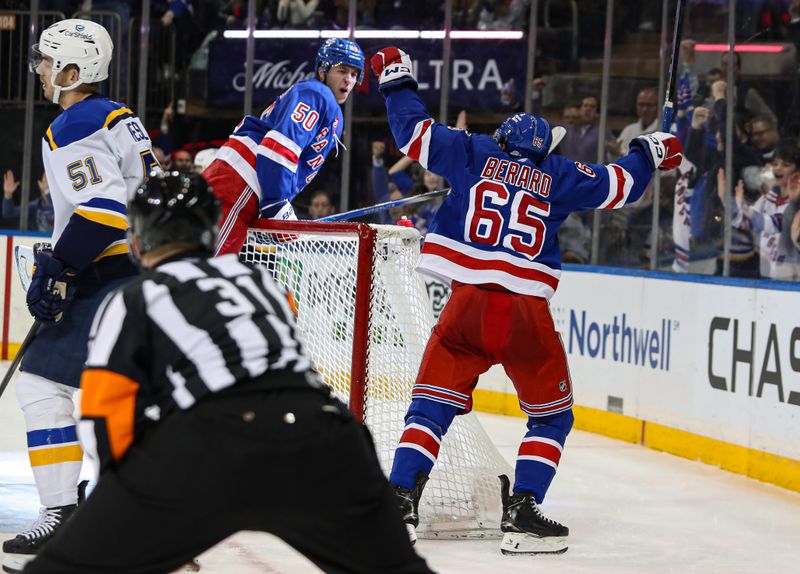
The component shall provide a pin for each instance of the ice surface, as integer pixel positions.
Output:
(629, 510)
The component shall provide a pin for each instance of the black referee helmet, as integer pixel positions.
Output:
(173, 207)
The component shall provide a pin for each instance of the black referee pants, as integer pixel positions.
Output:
(284, 462)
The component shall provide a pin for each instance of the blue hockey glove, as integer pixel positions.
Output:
(393, 68)
(51, 290)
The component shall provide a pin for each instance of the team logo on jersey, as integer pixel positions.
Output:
(562, 386)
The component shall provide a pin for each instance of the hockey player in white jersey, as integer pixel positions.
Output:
(96, 153)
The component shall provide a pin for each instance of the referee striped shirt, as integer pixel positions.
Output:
(185, 329)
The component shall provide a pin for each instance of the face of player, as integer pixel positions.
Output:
(782, 170)
(63, 78)
(45, 71)
(341, 79)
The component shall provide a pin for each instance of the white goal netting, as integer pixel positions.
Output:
(319, 265)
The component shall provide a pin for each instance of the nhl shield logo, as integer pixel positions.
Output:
(562, 386)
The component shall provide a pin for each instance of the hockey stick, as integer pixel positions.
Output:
(666, 121)
(386, 205)
(12, 368)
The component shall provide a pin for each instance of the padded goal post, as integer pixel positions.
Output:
(365, 317)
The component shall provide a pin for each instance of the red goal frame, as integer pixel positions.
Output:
(366, 251)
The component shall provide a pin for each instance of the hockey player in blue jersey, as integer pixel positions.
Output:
(495, 241)
(95, 153)
(268, 160)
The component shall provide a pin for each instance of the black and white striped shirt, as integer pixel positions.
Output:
(185, 329)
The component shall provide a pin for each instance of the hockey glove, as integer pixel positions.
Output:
(664, 150)
(281, 210)
(51, 289)
(393, 69)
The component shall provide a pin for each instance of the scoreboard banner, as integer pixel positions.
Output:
(479, 70)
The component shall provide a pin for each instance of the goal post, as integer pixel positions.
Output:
(365, 317)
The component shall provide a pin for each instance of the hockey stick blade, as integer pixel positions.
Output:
(386, 205)
(12, 368)
(25, 262)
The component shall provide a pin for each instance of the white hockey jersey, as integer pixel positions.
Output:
(766, 219)
(96, 153)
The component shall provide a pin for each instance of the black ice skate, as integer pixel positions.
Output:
(408, 499)
(526, 529)
(24, 546)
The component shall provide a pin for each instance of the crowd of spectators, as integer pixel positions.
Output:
(691, 201)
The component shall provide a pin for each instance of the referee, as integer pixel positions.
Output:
(205, 417)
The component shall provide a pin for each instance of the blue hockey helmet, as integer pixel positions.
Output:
(528, 136)
(337, 51)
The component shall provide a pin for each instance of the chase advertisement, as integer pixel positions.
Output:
(478, 71)
(721, 361)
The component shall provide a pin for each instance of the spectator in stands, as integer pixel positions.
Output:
(790, 224)
(40, 210)
(162, 158)
(570, 115)
(580, 142)
(749, 102)
(162, 137)
(180, 16)
(764, 217)
(647, 122)
(705, 148)
(182, 161)
(764, 135)
(321, 205)
(296, 13)
(406, 14)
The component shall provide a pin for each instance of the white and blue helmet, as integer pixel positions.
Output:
(84, 43)
(525, 135)
(337, 51)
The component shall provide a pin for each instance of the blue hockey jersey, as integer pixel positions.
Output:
(499, 224)
(279, 153)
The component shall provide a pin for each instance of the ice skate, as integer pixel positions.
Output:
(526, 530)
(24, 546)
(408, 500)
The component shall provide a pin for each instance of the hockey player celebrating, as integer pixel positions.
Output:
(95, 153)
(206, 418)
(495, 240)
(268, 160)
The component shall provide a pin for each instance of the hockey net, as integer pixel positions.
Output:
(365, 316)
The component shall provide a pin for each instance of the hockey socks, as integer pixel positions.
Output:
(540, 452)
(426, 424)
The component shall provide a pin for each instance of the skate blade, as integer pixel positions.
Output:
(15, 563)
(412, 533)
(519, 543)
